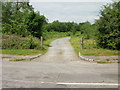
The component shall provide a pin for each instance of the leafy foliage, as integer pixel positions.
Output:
(88, 30)
(16, 42)
(34, 23)
(108, 24)
(19, 18)
(58, 26)
(51, 35)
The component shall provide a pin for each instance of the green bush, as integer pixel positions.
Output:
(17, 42)
(6, 28)
(108, 27)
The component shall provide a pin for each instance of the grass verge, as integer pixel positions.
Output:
(99, 52)
(90, 51)
(101, 62)
(21, 51)
(19, 60)
(46, 45)
(6, 57)
(108, 59)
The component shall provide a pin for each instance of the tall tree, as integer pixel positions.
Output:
(108, 25)
(19, 18)
(35, 22)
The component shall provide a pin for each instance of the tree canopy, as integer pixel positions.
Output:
(108, 26)
(20, 18)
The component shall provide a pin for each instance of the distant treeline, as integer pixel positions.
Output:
(75, 29)
(20, 18)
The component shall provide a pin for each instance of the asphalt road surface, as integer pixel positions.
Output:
(60, 67)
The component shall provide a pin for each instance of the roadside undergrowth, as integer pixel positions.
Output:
(90, 48)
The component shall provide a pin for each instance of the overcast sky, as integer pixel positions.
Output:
(69, 11)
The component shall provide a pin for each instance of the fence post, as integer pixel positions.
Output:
(41, 42)
(81, 43)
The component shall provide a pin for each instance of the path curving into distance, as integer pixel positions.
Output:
(60, 51)
(59, 68)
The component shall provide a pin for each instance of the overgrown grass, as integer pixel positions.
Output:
(112, 59)
(21, 51)
(46, 45)
(90, 48)
(55, 35)
(108, 59)
(6, 57)
(98, 52)
(101, 62)
(29, 51)
(19, 60)
(75, 42)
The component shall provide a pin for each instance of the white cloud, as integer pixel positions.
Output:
(70, 0)
(77, 19)
(69, 11)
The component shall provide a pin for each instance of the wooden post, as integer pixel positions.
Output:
(81, 43)
(93, 43)
(41, 42)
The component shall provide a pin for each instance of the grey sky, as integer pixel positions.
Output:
(69, 11)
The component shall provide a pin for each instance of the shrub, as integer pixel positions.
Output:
(17, 42)
(108, 27)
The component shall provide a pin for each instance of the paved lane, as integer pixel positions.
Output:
(60, 52)
(59, 68)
